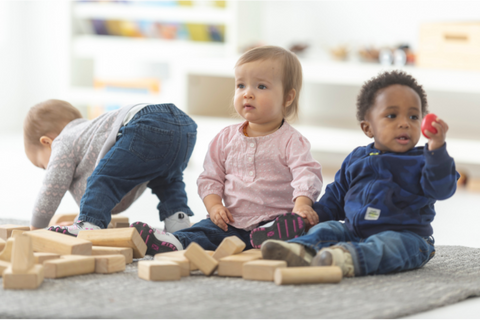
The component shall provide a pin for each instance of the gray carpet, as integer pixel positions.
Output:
(453, 275)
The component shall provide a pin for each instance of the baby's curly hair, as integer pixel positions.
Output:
(368, 93)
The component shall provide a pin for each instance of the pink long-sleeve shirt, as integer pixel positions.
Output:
(259, 178)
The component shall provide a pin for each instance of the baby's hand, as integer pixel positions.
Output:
(221, 216)
(436, 140)
(305, 211)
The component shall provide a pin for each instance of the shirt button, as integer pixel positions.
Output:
(252, 144)
(251, 173)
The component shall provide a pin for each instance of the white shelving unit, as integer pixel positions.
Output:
(187, 60)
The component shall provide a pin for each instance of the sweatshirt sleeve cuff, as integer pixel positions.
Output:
(437, 156)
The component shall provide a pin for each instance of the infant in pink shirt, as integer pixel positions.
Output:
(260, 179)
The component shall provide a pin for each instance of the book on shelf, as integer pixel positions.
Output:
(197, 32)
(141, 86)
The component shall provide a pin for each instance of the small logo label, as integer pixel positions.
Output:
(372, 214)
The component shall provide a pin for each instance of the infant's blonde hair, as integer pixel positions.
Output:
(48, 117)
(292, 72)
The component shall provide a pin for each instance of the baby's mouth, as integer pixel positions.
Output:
(403, 139)
(248, 106)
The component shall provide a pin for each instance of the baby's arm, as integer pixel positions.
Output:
(211, 182)
(307, 178)
(58, 177)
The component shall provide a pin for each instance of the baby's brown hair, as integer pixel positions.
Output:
(48, 117)
(292, 71)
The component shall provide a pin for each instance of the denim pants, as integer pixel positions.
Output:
(154, 146)
(209, 236)
(384, 252)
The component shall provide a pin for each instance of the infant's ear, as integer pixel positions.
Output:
(46, 141)
(366, 128)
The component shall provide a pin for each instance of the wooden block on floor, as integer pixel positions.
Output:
(181, 260)
(202, 259)
(40, 257)
(53, 242)
(181, 253)
(232, 266)
(2, 244)
(303, 275)
(29, 280)
(126, 252)
(229, 246)
(6, 254)
(22, 254)
(109, 263)
(69, 265)
(118, 221)
(154, 270)
(123, 237)
(16, 233)
(262, 270)
(62, 217)
(6, 230)
(3, 266)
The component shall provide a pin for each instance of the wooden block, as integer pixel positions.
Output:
(122, 225)
(29, 280)
(232, 266)
(154, 270)
(126, 252)
(109, 263)
(202, 259)
(22, 254)
(124, 237)
(62, 217)
(181, 253)
(301, 275)
(3, 266)
(2, 244)
(6, 254)
(16, 233)
(181, 260)
(40, 257)
(6, 230)
(229, 246)
(262, 270)
(53, 242)
(118, 221)
(69, 265)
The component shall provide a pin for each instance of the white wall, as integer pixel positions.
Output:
(34, 55)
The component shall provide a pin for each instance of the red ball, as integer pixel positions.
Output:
(427, 124)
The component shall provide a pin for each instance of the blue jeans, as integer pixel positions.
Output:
(154, 146)
(209, 236)
(385, 252)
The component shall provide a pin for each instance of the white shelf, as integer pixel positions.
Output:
(91, 96)
(176, 14)
(356, 73)
(139, 49)
(343, 141)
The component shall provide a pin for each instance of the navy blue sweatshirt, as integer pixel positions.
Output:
(377, 191)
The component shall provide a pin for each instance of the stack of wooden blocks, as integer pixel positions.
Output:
(27, 257)
(30, 256)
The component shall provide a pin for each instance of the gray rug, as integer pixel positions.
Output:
(453, 275)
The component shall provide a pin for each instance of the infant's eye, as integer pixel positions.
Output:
(414, 117)
(262, 87)
(392, 116)
(240, 86)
